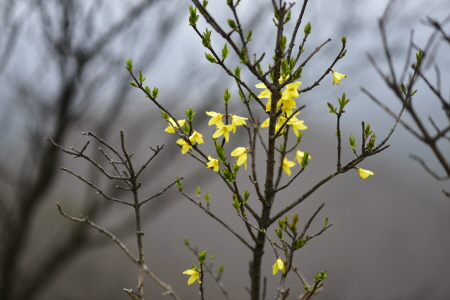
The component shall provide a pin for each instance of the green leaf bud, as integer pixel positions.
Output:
(226, 96)
(129, 66)
(164, 115)
(344, 40)
(179, 183)
(202, 257)
(193, 17)
(298, 73)
(210, 58)
(352, 141)
(308, 29)
(220, 269)
(287, 18)
(186, 242)
(283, 43)
(332, 108)
(225, 51)
(403, 88)
(413, 93)
(232, 24)
(284, 68)
(243, 56)
(305, 160)
(246, 195)
(249, 36)
(279, 233)
(237, 71)
(198, 191)
(133, 83)
(207, 197)
(155, 92)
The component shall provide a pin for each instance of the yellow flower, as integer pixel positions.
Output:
(196, 137)
(213, 163)
(287, 165)
(299, 155)
(237, 121)
(364, 173)
(195, 275)
(216, 118)
(337, 77)
(173, 125)
(287, 105)
(241, 153)
(291, 90)
(265, 94)
(184, 145)
(223, 130)
(278, 265)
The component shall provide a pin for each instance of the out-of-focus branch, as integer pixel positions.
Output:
(437, 137)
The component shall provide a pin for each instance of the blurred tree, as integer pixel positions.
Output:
(433, 131)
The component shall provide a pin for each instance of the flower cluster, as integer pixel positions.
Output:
(287, 117)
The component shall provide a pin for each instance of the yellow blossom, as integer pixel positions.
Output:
(264, 94)
(337, 77)
(291, 90)
(237, 121)
(297, 125)
(287, 105)
(213, 163)
(195, 275)
(223, 130)
(196, 137)
(173, 125)
(287, 165)
(364, 173)
(299, 155)
(241, 153)
(216, 118)
(184, 145)
(278, 265)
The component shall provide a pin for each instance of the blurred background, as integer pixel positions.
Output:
(63, 73)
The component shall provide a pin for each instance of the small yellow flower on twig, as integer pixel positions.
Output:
(287, 165)
(337, 77)
(278, 265)
(364, 173)
(241, 153)
(195, 275)
(213, 163)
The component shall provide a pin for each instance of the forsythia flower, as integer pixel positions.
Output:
(278, 265)
(299, 155)
(216, 118)
(173, 125)
(337, 77)
(237, 121)
(213, 163)
(265, 94)
(184, 145)
(194, 276)
(364, 173)
(242, 154)
(287, 165)
(291, 90)
(196, 137)
(223, 130)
